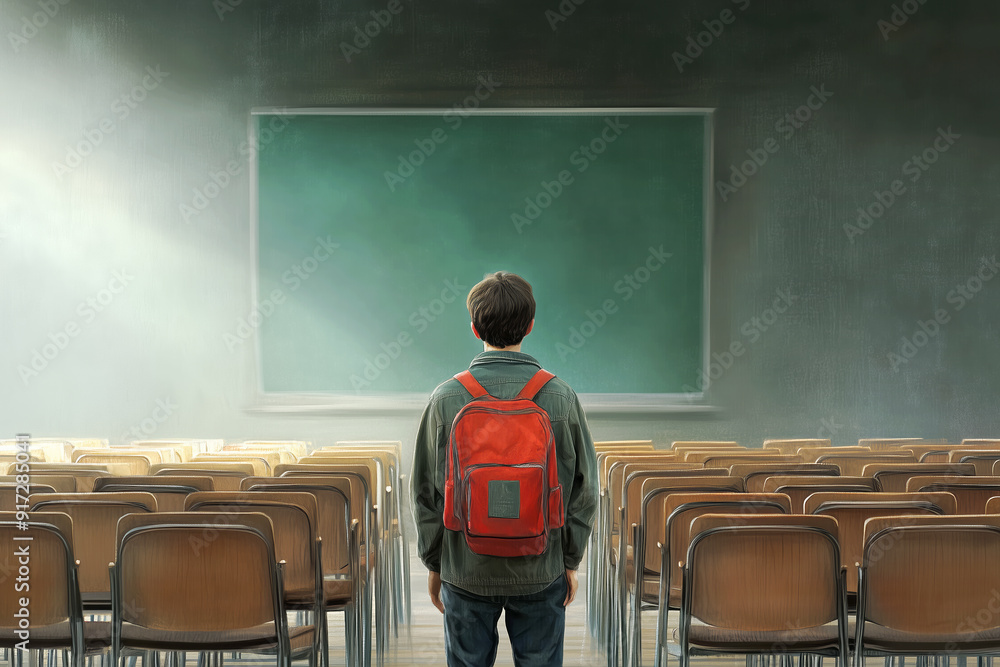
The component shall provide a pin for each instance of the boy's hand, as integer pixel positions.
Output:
(434, 588)
(572, 583)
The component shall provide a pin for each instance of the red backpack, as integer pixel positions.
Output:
(502, 485)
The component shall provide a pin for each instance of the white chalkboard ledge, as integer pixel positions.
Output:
(313, 404)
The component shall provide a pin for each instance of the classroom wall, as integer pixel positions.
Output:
(125, 237)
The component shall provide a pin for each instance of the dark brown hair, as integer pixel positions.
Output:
(502, 308)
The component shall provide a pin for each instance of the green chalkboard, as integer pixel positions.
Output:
(372, 226)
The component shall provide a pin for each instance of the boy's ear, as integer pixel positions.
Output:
(476, 333)
(530, 326)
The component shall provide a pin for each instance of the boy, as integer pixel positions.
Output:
(471, 589)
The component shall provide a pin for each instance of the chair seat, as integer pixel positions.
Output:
(261, 637)
(96, 636)
(714, 639)
(881, 638)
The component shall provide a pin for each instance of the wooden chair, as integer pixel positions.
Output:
(851, 510)
(262, 462)
(727, 460)
(621, 557)
(172, 451)
(169, 492)
(810, 453)
(892, 477)
(12, 495)
(754, 474)
(297, 447)
(852, 465)
(886, 443)
(83, 474)
(611, 445)
(704, 444)
(924, 583)
(53, 612)
(970, 443)
(59, 483)
(296, 541)
(226, 475)
(135, 464)
(800, 487)
(154, 455)
(972, 493)
(176, 587)
(95, 517)
(982, 460)
(662, 532)
(284, 454)
(773, 585)
(341, 553)
(792, 446)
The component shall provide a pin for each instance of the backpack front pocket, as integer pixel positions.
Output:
(506, 501)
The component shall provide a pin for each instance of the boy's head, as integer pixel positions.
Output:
(502, 309)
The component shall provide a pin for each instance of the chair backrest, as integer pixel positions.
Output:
(851, 510)
(993, 443)
(609, 445)
(800, 487)
(135, 464)
(297, 447)
(754, 474)
(927, 574)
(59, 483)
(854, 464)
(333, 513)
(882, 443)
(293, 516)
(620, 470)
(727, 460)
(972, 493)
(699, 454)
(810, 453)
(607, 460)
(792, 446)
(10, 497)
(642, 489)
(226, 475)
(993, 505)
(637, 476)
(892, 477)
(667, 520)
(284, 454)
(982, 460)
(769, 573)
(704, 444)
(53, 592)
(263, 462)
(154, 455)
(176, 571)
(169, 492)
(83, 474)
(95, 519)
(171, 451)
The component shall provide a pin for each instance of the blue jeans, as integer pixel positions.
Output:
(536, 624)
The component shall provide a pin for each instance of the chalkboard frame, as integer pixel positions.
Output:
(405, 402)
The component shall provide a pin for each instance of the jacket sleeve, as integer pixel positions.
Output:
(581, 507)
(427, 491)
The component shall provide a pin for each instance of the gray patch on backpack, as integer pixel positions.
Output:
(504, 499)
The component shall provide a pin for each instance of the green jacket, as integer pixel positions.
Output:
(503, 374)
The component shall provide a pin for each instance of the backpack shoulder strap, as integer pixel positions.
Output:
(471, 384)
(536, 382)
